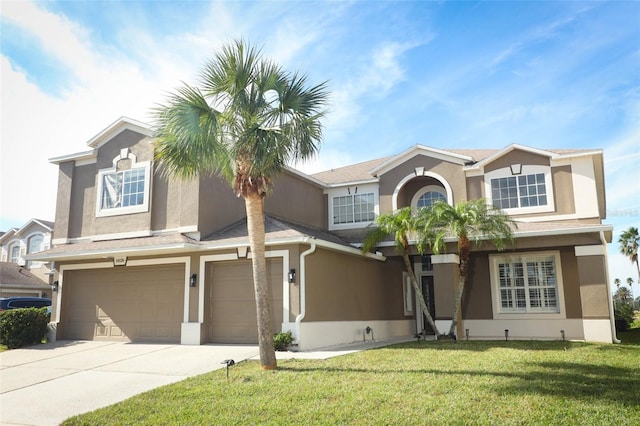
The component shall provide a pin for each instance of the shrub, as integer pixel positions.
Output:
(623, 313)
(282, 340)
(22, 327)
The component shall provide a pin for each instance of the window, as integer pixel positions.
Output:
(14, 253)
(124, 191)
(35, 244)
(356, 208)
(427, 196)
(519, 191)
(527, 283)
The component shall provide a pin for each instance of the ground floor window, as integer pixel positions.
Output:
(526, 283)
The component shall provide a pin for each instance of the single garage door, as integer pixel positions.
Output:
(139, 304)
(231, 302)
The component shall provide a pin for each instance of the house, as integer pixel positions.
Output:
(145, 257)
(18, 276)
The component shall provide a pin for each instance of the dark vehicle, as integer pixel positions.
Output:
(7, 303)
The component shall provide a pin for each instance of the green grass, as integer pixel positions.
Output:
(471, 382)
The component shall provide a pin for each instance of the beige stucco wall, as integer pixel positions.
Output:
(351, 288)
(450, 172)
(517, 157)
(298, 200)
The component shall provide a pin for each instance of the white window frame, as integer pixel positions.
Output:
(498, 313)
(351, 191)
(115, 211)
(30, 238)
(429, 188)
(525, 170)
(10, 257)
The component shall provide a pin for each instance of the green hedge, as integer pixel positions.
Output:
(23, 327)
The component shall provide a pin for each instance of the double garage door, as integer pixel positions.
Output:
(230, 302)
(143, 303)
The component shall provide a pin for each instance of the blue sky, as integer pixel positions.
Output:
(442, 74)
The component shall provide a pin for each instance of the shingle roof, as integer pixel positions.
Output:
(275, 229)
(362, 171)
(13, 275)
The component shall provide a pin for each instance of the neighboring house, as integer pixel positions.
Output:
(15, 245)
(16, 280)
(144, 257)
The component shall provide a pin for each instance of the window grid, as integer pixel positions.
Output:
(355, 208)
(429, 198)
(14, 253)
(123, 189)
(533, 291)
(521, 191)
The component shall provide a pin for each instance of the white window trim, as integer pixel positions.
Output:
(141, 208)
(31, 263)
(526, 170)
(495, 287)
(424, 190)
(352, 190)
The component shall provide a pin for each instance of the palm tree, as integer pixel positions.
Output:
(630, 284)
(629, 241)
(464, 221)
(617, 282)
(245, 121)
(401, 225)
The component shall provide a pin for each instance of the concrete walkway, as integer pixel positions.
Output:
(46, 384)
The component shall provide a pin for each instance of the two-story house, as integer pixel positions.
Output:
(146, 257)
(18, 276)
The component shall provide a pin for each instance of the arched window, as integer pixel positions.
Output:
(35, 244)
(427, 196)
(14, 252)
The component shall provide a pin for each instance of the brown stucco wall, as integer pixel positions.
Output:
(475, 187)
(476, 300)
(297, 200)
(83, 201)
(61, 228)
(218, 206)
(445, 282)
(570, 282)
(593, 287)
(350, 288)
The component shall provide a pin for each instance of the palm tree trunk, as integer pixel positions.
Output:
(254, 204)
(464, 250)
(419, 295)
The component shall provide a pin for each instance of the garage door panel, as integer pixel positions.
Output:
(130, 303)
(231, 303)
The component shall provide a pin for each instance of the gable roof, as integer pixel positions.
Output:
(47, 225)
(550, 153)
(13, 275)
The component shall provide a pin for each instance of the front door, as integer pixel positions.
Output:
(427, 292)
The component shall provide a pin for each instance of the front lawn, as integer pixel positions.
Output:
(414, 383)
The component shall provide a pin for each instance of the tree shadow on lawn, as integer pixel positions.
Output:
(569, 380)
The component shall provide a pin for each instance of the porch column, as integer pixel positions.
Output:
(446, 274)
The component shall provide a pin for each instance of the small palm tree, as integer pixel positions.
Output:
(247, 119)
(629, 241)
(630, 284)
(401, 225)
(464, 221)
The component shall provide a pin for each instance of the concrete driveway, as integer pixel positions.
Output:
(46, 384)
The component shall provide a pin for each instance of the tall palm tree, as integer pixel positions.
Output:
(244, 122)
(401, 225)
(630, 284)
(629, 241)
(464, 221)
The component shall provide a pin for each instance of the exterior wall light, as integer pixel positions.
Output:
(292, 276)
(54, 286)
(193, 281)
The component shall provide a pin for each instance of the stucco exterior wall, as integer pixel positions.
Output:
(352, 288)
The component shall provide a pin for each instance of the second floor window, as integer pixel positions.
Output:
(519, 191)
(356, 208)
(123, 189)
(14, 253)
